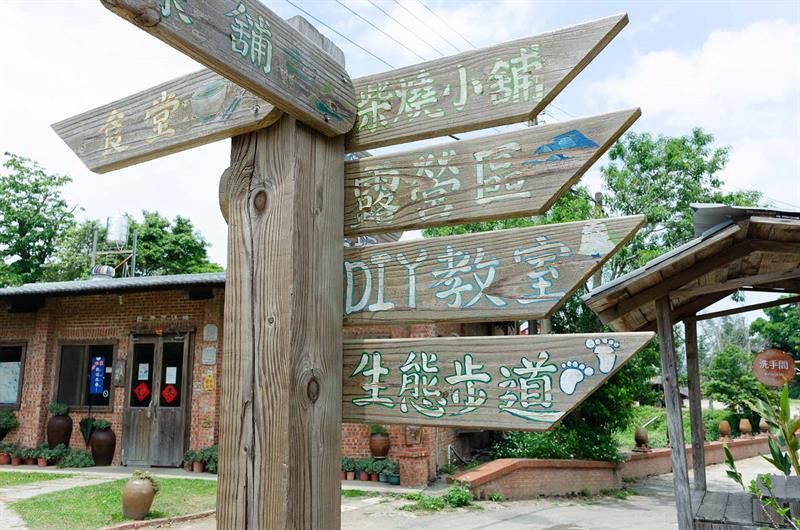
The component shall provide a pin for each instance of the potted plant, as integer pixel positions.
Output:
(103, 442)
(392, 469)
(210, 458)
(17, 454)
(378, 441)
(375, 470)
(342, 467)
(5, 454)
(382, 476)
(43, 455)
(59, 428)
(8, 420)
(361, 468)
(349, 468)
(30, 456)
(138, 495)
(188, 459)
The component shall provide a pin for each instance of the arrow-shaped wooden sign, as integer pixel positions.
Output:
(253, 47)
(513, 382)
(489, 276)
(496, 177)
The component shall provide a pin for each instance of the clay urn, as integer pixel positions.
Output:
(763, 426)
(137, 497)
(197, 466)
(103, 443)
(59, 427)
(379, 441)
(745, 428)
(724, 430)
(641, 438)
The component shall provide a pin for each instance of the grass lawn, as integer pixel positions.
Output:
(101, 505)
(11, 478)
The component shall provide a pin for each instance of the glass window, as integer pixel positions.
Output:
(11, 359)
(84, 378)
(172, 375)
(142, 374)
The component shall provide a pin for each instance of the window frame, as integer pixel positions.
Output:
(86, 344)
(24, 347)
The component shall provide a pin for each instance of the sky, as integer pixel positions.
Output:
(732, 68)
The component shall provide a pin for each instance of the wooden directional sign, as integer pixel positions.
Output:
(187, 112)
(521, 383)
(497, 177)
(503, 84)
(501, 275)
(253, 47)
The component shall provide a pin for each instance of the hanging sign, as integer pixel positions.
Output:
(97, 375)
(774, 367)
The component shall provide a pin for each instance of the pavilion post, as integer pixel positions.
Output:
(669, 377)
(695, 405)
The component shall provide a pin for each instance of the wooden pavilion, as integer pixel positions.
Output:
(736, 249)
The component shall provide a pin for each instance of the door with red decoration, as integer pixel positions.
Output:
(155, 414)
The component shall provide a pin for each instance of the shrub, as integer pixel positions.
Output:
(145, 475)
(8, 420)
(458, 496)
(190, 456)
(76, 458)
(377, 429)
(58, 452)
(391, 467)
(16, 451)
(496, 496)
(560, 443)
(348, 464)
(210, 456)
(448, 468)
(58, 409)
(377, 466)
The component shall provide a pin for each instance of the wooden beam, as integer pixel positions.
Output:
(280, 432)
(672, 397)
(695, 406)
(720, 259)
(745, 309)
(738, 283)
(775, 247)
(494, 177)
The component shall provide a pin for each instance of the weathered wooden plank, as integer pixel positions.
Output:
(713, 506)
(253, 47)
(507, 83)
(511, 382)
(739, 509)
(695, 405)
(737, 283)
(524, 273)
(496, 177)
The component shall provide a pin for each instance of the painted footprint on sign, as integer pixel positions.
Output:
(606, 351)
(573, 373)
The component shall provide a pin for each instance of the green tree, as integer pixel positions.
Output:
(729, 378)
(72, 257)
(33, 217)
(781, 329)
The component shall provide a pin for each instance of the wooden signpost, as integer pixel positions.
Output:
(774, 367)
(523, 382)
(290, 201)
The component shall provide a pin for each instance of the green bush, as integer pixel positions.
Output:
(391, 467)
(458, 496)
(584, 443)
(190, 456)
(377, 429)
(348, 464)
(210, 456)
(448, 469)
(76, 458)
(8, 420)
(58, 409)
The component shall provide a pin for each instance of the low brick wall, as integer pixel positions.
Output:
(522, 478)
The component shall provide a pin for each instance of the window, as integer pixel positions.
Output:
(84, 378)
(12, 360)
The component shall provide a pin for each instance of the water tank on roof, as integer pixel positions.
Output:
(117, 230)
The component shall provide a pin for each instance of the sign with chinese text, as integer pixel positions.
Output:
(502, 382)
(97, 375)
(508, 83)
(524, 273)
(169, 393)
(497, 177)
(774, 367)
(250, 45)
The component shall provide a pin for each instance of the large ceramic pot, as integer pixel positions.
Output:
(379, 445)
(763, 426)
(641, 438)
(745, 428)
(724, 430)
(59, 430)
(137, 497)
(103, 444)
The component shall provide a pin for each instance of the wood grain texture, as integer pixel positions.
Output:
(524, 273)
(507, 83)
(495, 177)
(253, 47)
(569, 370)
(669, 374)
(695, 406)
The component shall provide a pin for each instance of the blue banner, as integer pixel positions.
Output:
(97, 375)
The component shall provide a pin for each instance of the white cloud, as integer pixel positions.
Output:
(743, 86)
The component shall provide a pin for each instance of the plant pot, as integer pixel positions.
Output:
(137, 497)
(363, 475)
(30, 461)
(724, 430)
(394, 480)
(379, 445)
(351, 475)
(197, 467)
(382, 477)
(745, 428)
(41, 462)
(16, 461)
(59, 431)
(344, 475)
(103, 444)
(373, 477)
(5, 459)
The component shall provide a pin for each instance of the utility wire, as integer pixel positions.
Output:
(435, 32)
(416, 34)
(379, 29)
(446, 24)
(333, 30)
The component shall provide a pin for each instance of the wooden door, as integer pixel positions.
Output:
(138, 416)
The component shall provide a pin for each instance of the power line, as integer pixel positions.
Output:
(379, 29)
(446, 24)
(379, 8)
(333, 30)
(436, 32)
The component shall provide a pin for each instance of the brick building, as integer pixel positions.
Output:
(145, 354)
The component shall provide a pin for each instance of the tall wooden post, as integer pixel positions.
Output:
(695, 405)
(669, 378)
(280, 432)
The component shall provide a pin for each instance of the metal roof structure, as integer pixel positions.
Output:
(736, 249)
